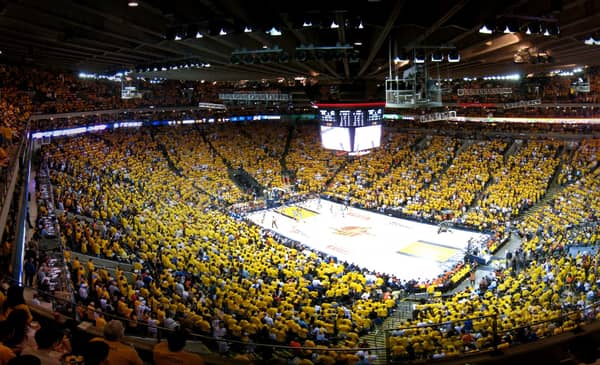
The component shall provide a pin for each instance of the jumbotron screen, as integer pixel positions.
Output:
(351, 127)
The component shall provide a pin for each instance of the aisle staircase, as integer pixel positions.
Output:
(286, 150)
(514, 147)
(377, 337)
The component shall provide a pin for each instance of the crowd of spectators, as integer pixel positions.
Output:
(547, 287)
(197, 265)
(172, 234)
(156, 198)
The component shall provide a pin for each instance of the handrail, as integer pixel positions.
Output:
(581, 319)
(125, 320)
(19, 252)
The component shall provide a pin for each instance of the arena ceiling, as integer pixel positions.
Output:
(108, 35)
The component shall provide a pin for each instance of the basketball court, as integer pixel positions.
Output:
(404, 248)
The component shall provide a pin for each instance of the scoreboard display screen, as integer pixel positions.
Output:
(351, 127)
(335, 138)
(366, 138)
(351, 117)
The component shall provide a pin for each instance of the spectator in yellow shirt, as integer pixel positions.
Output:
(119, 353)
(172, 353)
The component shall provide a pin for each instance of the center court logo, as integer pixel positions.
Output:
(351, 231)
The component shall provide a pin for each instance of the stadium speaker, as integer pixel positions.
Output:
(284, 57)
(248, 59)
(302, 56)
(236, 59)
(339, 55)
(265, 58)
(320, 54)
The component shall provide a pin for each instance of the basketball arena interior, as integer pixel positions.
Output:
(322, 182)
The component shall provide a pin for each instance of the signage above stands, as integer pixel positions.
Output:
(490, 91)
(255, 96)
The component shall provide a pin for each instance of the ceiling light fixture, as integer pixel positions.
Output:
(274, 32)
(334, 25)
(419, 57)
(247, 30)
(132, 3)
(485, 30)
(199, 35)
(453, 56)
(507, 30)
(360, 25)
(437, 56)
(222, 32)
(307, 24)
(177, 37)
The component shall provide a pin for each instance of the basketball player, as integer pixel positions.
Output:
(274, 223)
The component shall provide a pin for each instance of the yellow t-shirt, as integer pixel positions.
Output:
(5, 354)
(120, 353)
(163, 356)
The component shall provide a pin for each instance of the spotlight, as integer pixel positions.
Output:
(419, 57)
(334, 25)
(453, 56)
(247, 29)
(274, 32)
(534, 28)
(307, 24)
(511, 27)
(222, 32)
(133, 4)
(199, 35)
(402, 56)
(437, 56)
(177, 37)
(485, 30)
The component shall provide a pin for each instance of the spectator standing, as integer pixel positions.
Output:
(30, 271)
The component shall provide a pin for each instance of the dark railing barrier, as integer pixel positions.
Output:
(477, 335)
(422, 343)
(21, 237)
